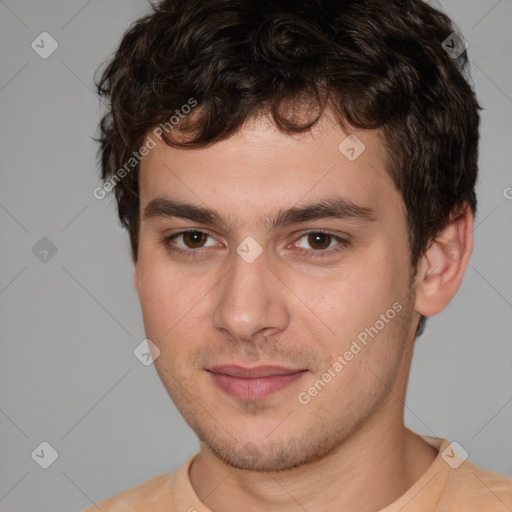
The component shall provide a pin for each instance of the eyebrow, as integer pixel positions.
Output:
(337, 208)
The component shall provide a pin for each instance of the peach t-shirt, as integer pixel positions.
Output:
(448, 485)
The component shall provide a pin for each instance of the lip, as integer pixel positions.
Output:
(253, 383)
(233, 370)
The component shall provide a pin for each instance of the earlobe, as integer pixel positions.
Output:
(443, 265)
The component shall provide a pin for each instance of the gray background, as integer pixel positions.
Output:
(69, 325)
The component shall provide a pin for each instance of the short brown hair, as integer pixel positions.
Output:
(374, 63)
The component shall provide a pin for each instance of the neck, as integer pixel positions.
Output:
(386, 458)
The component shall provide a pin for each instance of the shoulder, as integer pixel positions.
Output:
(463, 484)
(474, 488)
(154, 495)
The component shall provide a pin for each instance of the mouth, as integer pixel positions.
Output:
(253, 383)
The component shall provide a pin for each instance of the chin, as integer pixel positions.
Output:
(271, 455)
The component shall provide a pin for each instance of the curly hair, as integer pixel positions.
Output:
(373, 63)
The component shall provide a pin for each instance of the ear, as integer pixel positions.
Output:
(443, 264)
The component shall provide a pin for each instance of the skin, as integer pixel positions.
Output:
(291, 309)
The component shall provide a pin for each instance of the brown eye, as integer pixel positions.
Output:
(194, 239)
(319, 244)
(192, 242)
(319, 241)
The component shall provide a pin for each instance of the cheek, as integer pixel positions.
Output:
(364, 308)
(173, 303)
(353, 298)
(163, 297)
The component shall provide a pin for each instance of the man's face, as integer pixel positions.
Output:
(260, 289)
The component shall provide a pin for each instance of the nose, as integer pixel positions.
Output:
(251, 301)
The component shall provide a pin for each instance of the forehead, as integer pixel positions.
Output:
(261, 168)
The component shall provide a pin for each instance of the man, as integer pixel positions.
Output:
(297, 179)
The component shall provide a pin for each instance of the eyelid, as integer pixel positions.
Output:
(204, 231)
(339, 236)
(342, 243)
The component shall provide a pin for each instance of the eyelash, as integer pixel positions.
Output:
(314, 253)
